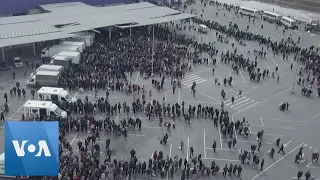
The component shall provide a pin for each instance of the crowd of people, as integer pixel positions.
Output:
(105, 67)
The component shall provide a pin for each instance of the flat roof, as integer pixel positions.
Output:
(49, 90)
(48, 66)
(37, 104)
(68, 53)
(52, 73)
(268, 12)
(63, 19)
(288, 19)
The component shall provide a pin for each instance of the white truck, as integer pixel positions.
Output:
(44, 78)
(74, 56)
(47, 67)
(54, 94)
(42, 109)
(88, 38)
(48, 52)
(81, 45)
(66, 62)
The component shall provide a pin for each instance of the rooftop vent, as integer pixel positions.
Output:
(66, 25)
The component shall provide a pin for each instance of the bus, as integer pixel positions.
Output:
(248, 11)
(288, 22)
(267, 16)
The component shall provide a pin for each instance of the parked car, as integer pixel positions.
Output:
(3, 66)
(17, 62)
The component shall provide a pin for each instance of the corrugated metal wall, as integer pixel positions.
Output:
(21, 6)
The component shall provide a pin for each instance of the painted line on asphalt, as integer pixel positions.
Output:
(276, 162)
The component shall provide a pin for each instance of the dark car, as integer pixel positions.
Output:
(3, 66)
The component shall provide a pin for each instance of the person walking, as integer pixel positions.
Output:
(181, 145)
(281, 149)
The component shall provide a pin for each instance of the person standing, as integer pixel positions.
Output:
(299, 175)
(214, 146)
(5, 96)
(262, 163)
(191, 152)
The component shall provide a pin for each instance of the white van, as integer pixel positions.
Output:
(270, 16)
(203, 28)
(17, 62)
(248, 11)
(54, 94)
(42, 109)
(288, 22)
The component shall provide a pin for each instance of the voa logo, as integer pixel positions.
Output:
(41, 148)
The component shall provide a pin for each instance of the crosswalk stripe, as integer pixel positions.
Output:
(190, 83)
(236, 100)
(191, 79)
(189, 75)
(243, 104)
(240, 102)
(198, 81)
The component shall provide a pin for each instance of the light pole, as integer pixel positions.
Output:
(152, 53)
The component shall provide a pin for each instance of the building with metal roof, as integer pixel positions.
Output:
(63, 19)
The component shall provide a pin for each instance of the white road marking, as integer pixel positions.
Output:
(3, 77)
(276, 162)
(262, 122)
(279, 127)
(241, 75)
(209, 97)
(135, 134)
(217, 159)
(266, 134)
(204, 143)
(191, 78)
(202, 102)
(75, 94)
(74, 138)
(286, 144)
(188, 149)
(220, 138)
(285, 120)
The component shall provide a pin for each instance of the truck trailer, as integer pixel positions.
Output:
(74, 56)
(66, 62)
(48, 52)
(44, 78)
(81, 45)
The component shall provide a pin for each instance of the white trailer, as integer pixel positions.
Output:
(48, 52)
(42, 109)
(48, 67)
(74, 56)
(81, 45)
(44, 78)
(54, 94)
(61, 61)
(82, 37)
